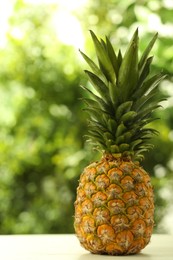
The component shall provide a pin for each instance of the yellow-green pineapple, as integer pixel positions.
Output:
(114, 208)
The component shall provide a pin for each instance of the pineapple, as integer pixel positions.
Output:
(114, 208)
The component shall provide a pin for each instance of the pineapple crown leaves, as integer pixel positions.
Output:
(125, 95)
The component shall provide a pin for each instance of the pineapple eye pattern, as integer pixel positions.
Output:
(134, 212)
(115, 175)
(120, 222)
(102, 215)
(90, 189)
(127, 183)
(106, 233)
(114, 191)
(99, 199)
(88, 224)
(138, 228)
(87, 206)
(116, 206)
(102, 181)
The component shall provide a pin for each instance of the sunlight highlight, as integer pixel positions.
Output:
(66, 24)
(6, 8)
(68, 29)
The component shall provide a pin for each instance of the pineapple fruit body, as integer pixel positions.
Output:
(114, 209)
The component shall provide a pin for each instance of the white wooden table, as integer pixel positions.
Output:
(66, 247)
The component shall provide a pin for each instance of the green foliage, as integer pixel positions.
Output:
(42, 150)
(41, 127)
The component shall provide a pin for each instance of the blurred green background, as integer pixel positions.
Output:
(42, 148)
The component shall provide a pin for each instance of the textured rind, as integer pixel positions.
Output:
(114, 208)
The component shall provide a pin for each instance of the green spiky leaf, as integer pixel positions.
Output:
(123, 98)
(128, 72)
(104, 61)
(147, 51)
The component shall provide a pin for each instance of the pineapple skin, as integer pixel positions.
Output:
(114, 207)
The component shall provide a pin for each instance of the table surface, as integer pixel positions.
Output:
(67, 247)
